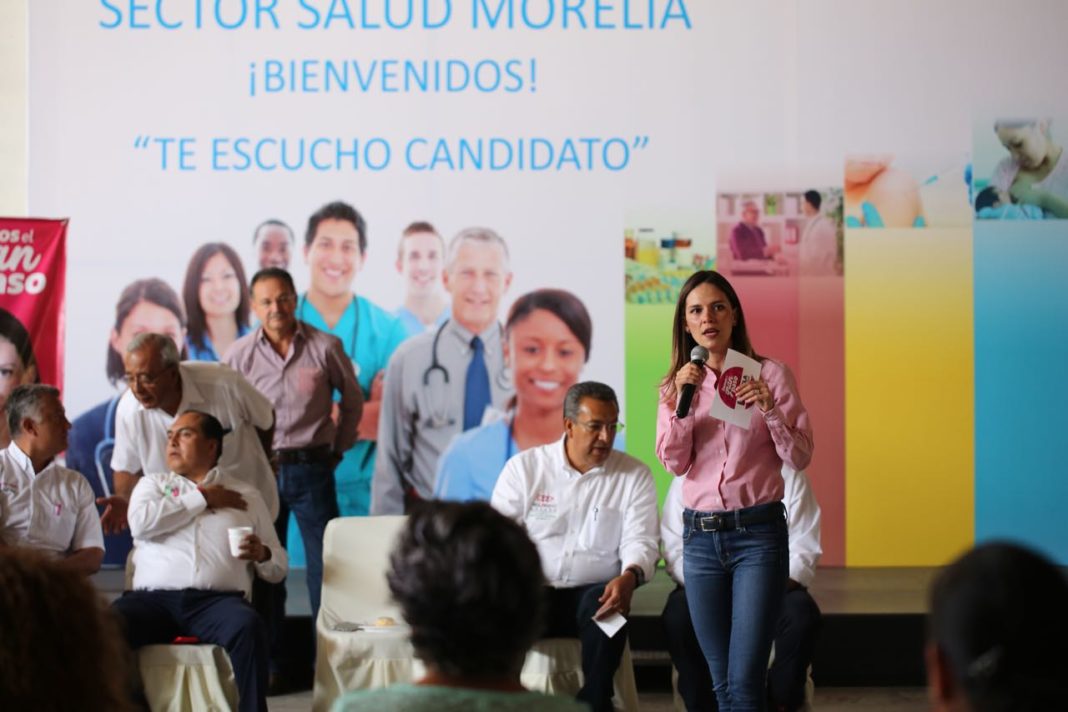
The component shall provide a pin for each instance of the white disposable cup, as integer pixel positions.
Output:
(237, 537)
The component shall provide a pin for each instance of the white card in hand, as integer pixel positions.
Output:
(611, 624)
(737, 369)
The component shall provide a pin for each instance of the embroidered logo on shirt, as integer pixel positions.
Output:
(169, 490)
(543, 507)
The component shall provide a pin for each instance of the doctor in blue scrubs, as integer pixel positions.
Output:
(335, 247)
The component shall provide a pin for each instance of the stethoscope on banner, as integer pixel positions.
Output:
(106, 445)
(351, 353)
(439, 416)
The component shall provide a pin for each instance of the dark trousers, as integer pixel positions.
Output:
(795, 643)
(307, 490)
(570, 615)
(151, 617)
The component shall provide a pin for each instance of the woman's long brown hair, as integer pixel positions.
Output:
(681, 341)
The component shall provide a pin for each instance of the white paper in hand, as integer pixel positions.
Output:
(737, 369)
(611, 624)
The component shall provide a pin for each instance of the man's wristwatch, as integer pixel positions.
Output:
(639, 575)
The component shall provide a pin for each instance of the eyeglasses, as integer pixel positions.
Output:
(144, 379)
(607, 428)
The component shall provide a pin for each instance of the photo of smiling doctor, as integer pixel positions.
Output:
(546, 345)
(445, 381)
(335, 250)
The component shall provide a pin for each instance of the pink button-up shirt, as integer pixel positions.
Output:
(727, 467)
(301, 386)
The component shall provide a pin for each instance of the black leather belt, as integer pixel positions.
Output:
(737, 518)
(304, 455)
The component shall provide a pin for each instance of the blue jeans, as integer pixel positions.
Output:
(569, 614)
(308, 491)
(735, 580)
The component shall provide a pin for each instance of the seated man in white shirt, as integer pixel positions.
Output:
(592, 513)
(186, 582)
(795, 634)
(43, 505)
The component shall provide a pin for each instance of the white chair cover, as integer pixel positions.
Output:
(184, 678)
(187, 678)
(355, 561)
(554, 666)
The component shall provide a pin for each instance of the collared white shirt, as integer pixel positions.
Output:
(421, 412)
(588, 527)
(802, 523)
(141, 433)
(53, 510)
(179, 543)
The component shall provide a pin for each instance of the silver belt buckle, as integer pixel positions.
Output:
(711, 523)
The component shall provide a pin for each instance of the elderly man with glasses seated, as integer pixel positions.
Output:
(592, 512)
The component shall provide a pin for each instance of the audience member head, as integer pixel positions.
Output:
(145, 306)
(59, 647)
(996, 631)
(468, 581)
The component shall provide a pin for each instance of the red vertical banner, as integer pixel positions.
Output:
(33, 280)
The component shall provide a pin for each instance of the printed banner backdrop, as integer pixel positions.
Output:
(562, 126)
(32, 290)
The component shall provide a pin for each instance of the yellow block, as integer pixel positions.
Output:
(910, 459)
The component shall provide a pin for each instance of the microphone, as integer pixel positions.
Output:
(698, 355)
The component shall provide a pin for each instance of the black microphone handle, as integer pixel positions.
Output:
(685, 398)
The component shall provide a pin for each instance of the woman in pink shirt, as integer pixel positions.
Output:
(734, 529)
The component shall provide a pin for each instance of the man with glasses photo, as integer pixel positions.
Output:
(592, 512)
(160, 387)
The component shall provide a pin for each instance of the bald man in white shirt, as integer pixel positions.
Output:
(186, 581)
(592, 513)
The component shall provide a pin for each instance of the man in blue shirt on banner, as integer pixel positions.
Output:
(335, 247)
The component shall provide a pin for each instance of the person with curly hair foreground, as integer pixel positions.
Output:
(53, 628)
(468, 581)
